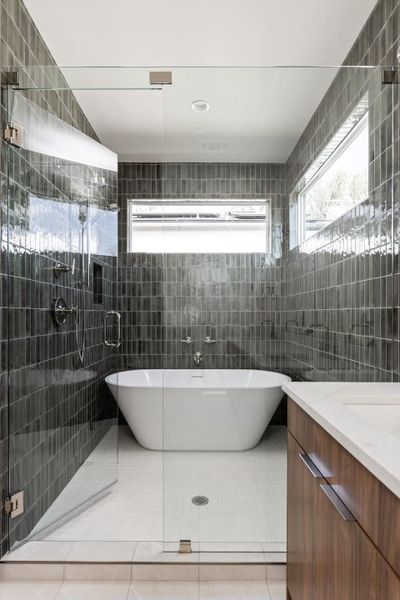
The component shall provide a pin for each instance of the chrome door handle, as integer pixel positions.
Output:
(310, 465)
(107, 342)
(337, 503)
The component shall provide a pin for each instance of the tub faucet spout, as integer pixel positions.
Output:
(197, 358)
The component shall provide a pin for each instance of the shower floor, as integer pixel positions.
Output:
(152, 499)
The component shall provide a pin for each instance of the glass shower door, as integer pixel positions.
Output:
(73, 318)
(62, 257)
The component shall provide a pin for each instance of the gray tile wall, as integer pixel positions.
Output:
(54, 419)
(232, 298)
(336, 296)
(339, 289)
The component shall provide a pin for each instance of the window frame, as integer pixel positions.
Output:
(299, 195)
(266, 202)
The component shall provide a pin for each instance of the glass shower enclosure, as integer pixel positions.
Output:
(62, 259)
(173, 264)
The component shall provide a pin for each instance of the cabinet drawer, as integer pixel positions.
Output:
(374, 507)
(329, 555)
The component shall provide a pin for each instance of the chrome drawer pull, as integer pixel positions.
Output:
(337, 503)
(310, 465)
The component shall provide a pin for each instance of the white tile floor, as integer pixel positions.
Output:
(124, 590)
(152, 499)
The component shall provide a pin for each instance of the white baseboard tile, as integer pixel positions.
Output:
(238, 572)
(165, 572)
(97, 572)
(35, 571)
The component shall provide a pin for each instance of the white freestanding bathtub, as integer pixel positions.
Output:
(196, 409)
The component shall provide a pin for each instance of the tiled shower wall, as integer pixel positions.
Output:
(53, 408)
(341, 287)
(230, 297)
(334, 299)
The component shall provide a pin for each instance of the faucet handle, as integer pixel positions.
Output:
(187, 340)
(208, 340)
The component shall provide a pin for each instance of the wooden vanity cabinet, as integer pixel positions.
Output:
(330, 556)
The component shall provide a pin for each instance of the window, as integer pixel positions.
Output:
(336, 182)
(199, 226)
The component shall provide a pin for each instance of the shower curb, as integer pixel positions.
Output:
(143, 571)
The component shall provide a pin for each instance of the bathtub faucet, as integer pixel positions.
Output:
(197, 358)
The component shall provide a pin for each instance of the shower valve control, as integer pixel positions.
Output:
(187, 340)
(61, 310)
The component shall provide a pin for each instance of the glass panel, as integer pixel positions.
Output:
(245, 135)
(222, 154)
(62, 228)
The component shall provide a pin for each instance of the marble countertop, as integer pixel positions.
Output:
(373, 441)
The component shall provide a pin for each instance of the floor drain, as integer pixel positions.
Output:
(200, 500)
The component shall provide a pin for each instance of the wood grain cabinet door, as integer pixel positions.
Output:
(302, 498)
(329, 555)
(347, 564)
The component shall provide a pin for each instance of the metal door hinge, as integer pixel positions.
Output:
(13, 134)
(185, 546)
(160, 77)
(14, 505)
(9, 78)
(390, 76)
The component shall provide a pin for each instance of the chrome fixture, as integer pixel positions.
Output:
(61, 310)
(187, 340)
(200, 500)
(307, 460)
(197, 358)
(208, 340)
(117, 342)
(14, 134)
(185, 546)
(14, 505)
(60, 267)
(337, 502)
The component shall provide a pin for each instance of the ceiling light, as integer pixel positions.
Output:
(200, 106)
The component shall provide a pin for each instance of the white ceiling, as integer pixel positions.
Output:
(255, 115)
